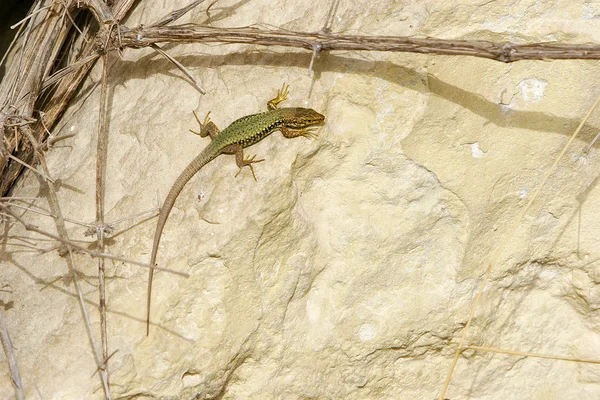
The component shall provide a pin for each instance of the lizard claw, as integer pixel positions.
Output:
(283, 92)
(310, 133)
(206, 119)
(207, 128)
(199, 123)
(202, 125)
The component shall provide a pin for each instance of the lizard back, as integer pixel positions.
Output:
(251, 129)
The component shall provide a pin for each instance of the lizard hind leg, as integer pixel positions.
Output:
(241, 162)
(207, 128)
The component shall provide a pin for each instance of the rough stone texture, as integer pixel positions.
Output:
(349, 268)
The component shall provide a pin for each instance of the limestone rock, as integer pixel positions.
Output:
(349, 268)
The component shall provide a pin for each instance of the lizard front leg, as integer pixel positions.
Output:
(208, 128)
(281, 96)
(292, 133)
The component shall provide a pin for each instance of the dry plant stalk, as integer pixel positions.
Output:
(52, 198)
(533, 355)
(22, 88)
(101, 157)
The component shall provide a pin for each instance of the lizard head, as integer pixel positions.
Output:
(304, 117)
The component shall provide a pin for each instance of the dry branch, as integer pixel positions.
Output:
(505, 52)
(191, 33)
(47, 31)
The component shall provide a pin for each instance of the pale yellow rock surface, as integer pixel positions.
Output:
(348, 269)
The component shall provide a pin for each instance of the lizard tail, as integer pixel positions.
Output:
(206, 156)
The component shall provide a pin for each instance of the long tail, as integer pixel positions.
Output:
(206, 156)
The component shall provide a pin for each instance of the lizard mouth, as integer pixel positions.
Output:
(305, 124)
(319, 119)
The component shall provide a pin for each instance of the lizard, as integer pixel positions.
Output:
(243, 132)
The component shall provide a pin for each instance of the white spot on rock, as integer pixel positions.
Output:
(532, 89)
(476, 152)
(367, 332)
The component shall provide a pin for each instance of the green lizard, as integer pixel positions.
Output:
(244, 132)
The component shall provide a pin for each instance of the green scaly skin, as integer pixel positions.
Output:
(244, 132)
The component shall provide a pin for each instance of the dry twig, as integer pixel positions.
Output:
(190, 33)
(101, 155)
(175, 15)
(15, 376)
(91, 253)
(534, 355)
(183, 69)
